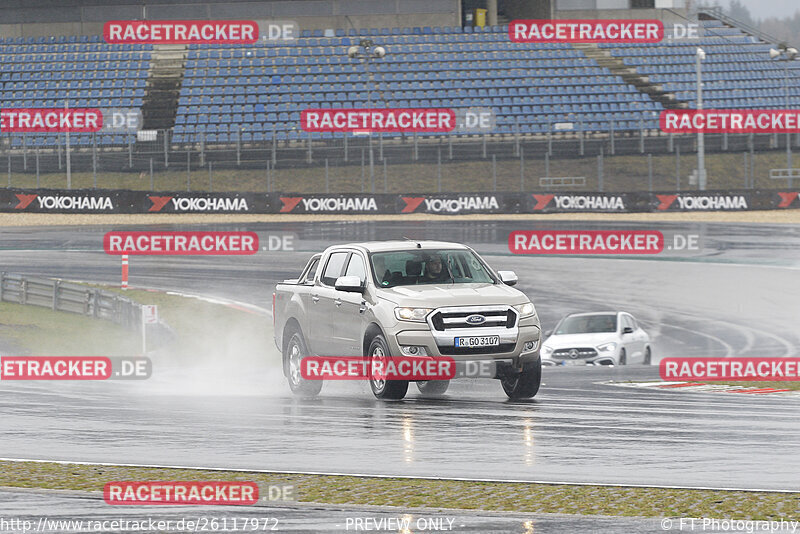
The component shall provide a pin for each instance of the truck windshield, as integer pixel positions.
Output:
(412, 267)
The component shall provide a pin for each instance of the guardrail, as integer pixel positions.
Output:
(72, 298)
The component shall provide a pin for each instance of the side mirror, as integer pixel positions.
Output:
(627, 330)
(351, 284)
(509, 278)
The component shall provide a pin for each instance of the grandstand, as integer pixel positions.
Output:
(230, 98)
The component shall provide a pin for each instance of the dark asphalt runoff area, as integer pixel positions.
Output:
(734, 296)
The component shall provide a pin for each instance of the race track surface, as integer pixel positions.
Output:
(736, 296)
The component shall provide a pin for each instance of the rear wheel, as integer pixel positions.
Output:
(378, 356)
(648, 356)
(294, 352)
(524, 385)
(623, 358)
(433, 387)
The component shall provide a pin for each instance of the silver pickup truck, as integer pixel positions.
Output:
(408, 298)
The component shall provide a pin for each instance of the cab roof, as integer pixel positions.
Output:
(400, 245)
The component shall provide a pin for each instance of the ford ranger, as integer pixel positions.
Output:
(408, 298)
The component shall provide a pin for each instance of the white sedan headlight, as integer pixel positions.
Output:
(412, 314)
(525, 310)
(607, 347)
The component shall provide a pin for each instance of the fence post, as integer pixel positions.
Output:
(96, 307)
(94, 159)
(582, 138)
(58, 149)
(600, 170)
(725, 141)
(345, 147)
(2, 284)
(613, 145)
(152, 181)
(130, 155)
(210, 178)
(650, 172)
(239, 147)
(275, 148)
(521, 168)
(385, 180)
(494, 172)
(327, 178)
(309, 157)
(188, 169)
(641, 136)
(9, 169)
(25, 152)
(37, 167)
(23, 296)
(416, 147)
(380, 146)
(678, 168)
(439, 168)
(202, 149)
(516, 137)
(450, 147)
(671, 143)
(166, 149)
(362, 170)
(549, 138)
(483, 144)
(269, 185)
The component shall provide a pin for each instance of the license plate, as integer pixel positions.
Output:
(573, 362)
(472, 342)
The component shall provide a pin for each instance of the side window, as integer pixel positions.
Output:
(334, 268)
(633, 322)
(626, 322)
(312, 270)
(356, 268)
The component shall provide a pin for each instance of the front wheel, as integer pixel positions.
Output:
(294, 352)
(526, 384)
(433, 387)
(378, 356)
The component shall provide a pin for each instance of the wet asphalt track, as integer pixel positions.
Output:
(737, 296)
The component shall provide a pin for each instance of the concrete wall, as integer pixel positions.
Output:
(527, 9)
(668, 17)
(34, 18)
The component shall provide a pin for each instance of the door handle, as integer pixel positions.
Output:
(315, 298)
(338, 302)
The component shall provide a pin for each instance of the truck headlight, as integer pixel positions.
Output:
(607, 347)
(412, 314)
(525, 310)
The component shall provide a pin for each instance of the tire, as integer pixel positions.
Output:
(648, 356)
(433, 387)
(526, 384)
(623, 358)
(384, 389)
(293, 353)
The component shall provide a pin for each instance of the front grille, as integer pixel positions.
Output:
(497, 349)
(447, 320)
(583, 353)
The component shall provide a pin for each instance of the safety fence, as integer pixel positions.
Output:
(58, 295)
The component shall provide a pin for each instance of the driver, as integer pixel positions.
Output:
(434, 271)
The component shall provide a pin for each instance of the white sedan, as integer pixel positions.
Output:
(601, 338)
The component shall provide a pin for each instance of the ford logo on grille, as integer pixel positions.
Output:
(476, 319)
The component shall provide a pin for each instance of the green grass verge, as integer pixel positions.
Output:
(40, 331)
(420, 493)
(621, 173)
